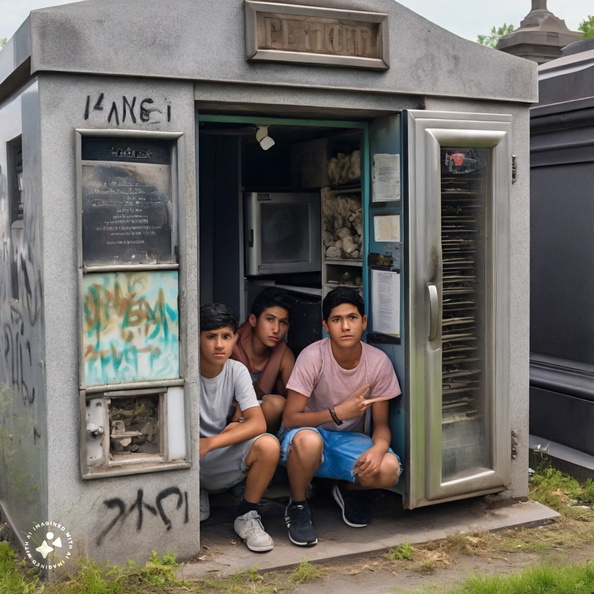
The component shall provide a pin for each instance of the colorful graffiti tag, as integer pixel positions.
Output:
(130, 327)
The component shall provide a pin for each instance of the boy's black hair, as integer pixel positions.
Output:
(339, 296)
(217, 315)
(271, 297)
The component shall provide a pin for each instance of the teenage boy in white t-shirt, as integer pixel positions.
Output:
(334, 382)
(231, 452)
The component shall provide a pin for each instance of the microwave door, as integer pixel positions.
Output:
(283, 232)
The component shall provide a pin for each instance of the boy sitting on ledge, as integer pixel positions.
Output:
(232, 452)
(262, 349)
(334, 382)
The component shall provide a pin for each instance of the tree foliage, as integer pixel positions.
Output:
(587, 27)
(3, 42)
(496, 33)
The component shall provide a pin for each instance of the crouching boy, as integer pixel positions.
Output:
(262, 349)
(232, 452)
(334, 382)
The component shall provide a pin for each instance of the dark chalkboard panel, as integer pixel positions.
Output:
(123, 149)
(127, 213)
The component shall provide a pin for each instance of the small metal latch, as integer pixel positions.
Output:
(94, 430)
(514, 169)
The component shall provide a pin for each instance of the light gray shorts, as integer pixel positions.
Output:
(224, 468)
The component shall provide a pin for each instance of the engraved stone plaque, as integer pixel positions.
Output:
(311, 35)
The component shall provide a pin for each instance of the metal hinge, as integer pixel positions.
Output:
(514, 169)
(514, 445)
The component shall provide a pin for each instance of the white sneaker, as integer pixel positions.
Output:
(204, 505)
(249, 528)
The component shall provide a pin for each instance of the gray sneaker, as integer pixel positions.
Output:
(204, 505)
(249, 528)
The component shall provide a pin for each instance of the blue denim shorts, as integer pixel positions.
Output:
(341, 451)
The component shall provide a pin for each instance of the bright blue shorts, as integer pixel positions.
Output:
(341, 451)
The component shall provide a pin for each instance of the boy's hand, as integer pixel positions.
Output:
(369, 462)
(205, 446)
(355, 405)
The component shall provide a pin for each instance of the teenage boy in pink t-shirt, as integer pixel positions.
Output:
(334, 382)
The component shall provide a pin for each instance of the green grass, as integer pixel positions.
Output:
(541, 579)
(14, 577)
(402, 551)
(587, 494)
(90, 578)
(306, 573)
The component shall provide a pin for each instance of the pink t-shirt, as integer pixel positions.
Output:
(318, 376)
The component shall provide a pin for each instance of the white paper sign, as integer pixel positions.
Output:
(386, 227)
(386, 178)
(385, 301)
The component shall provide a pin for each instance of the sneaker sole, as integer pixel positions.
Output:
(338, 498)
(311, 543)
(263, 549)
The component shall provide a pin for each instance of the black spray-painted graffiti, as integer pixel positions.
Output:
(21, 345)
(24, 313)
(139, 506)
(17, 354)
(133, 109)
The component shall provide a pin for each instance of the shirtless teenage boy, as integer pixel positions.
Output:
(262, 349)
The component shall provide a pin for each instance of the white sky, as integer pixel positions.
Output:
(467, 18)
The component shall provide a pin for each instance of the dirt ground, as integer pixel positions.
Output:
(437, 567)
(431, 567)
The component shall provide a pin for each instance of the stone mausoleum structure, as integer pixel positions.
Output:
(131, 135)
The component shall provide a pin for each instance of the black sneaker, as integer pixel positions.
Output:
(354, 505)
(298, 519)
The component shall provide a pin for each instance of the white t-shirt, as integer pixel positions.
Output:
(218, 395)
(318, 376)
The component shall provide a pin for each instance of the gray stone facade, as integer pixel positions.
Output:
(96, 65)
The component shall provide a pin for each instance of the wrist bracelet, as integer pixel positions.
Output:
(336, 420)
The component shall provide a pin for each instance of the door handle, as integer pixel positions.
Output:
(433, 310)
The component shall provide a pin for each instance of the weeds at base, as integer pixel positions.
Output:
(307, 573)
(552, 543)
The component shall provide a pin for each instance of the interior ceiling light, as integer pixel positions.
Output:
(262, 137)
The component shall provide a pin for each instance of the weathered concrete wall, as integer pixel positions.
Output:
(23, 398)
(205, 41)
(124, 517)
(40, 433)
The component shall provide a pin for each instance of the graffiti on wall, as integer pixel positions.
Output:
(21, 359)
(130, 327)
(139, 506)
(24, 313)
(127, 109)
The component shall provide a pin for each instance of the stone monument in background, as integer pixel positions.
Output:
(540, 37)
